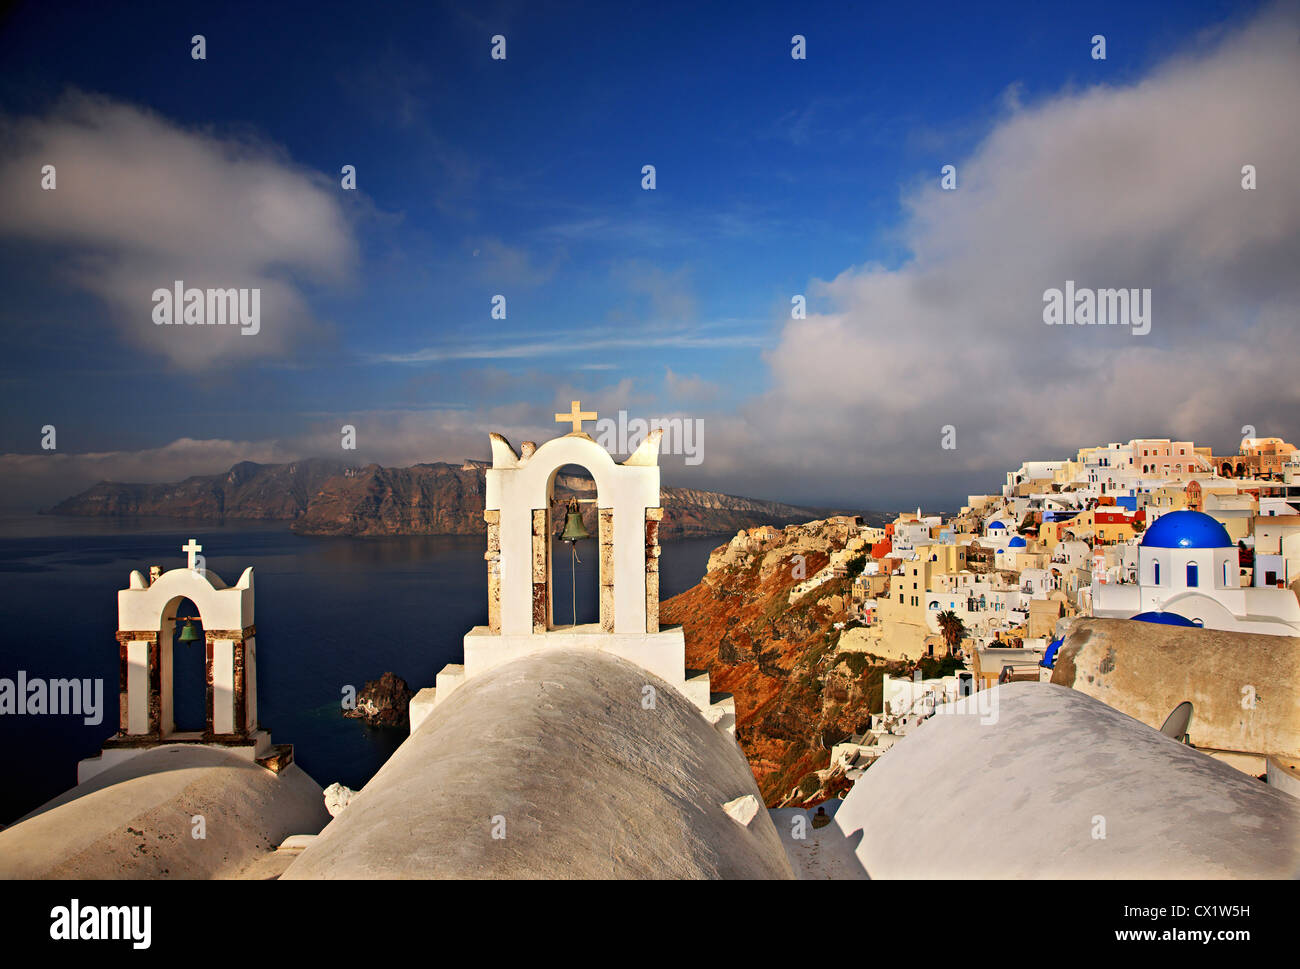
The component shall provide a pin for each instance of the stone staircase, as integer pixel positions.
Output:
(718, 708)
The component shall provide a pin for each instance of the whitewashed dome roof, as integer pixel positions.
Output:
(586, 781)
(136, 820)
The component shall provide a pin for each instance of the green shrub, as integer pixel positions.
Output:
(856, 662)
(932, 668)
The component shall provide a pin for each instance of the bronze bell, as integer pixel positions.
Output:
(574, 529)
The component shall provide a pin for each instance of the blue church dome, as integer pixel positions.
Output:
(1164, 619)
(1049, 657)
(996, 525)
(1016, 542)
(1186, 529)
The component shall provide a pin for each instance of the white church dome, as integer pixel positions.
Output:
(552, 766)
(135, 820)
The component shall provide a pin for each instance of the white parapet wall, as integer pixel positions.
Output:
(662, 653)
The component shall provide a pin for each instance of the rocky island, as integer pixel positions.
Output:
(384, 702)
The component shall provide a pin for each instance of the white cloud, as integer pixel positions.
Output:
(688, 389)
(142, 202)
(1136, 186)
(514, 265)
(47, 477)
(580, 341)
(1133, 186)
(393, 438)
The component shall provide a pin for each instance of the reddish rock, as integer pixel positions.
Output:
(383, 702)
(793, 694)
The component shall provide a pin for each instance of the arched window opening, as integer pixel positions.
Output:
(575, 565)
(184, 662)
(1193, 578)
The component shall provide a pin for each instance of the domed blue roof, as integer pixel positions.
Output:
(1164, 619)
(1049, 657)
(1016, 542)
(1186, 529)
(994, 525)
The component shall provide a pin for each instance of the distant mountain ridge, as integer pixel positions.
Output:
(323, 497)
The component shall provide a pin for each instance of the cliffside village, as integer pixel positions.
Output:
(547, 727)
(1156, 530)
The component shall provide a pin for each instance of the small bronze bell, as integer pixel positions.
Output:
(574, 530)
(188, 633)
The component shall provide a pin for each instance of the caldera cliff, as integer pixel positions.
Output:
(796, 693)
(322, 497)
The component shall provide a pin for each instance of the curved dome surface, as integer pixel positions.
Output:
(1171, 811)
(556, 752)
(133, 820)
(1186, 529)
(1016, 542)
(1164, 618)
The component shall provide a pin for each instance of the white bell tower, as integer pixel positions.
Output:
(520, 489)
(147, 615)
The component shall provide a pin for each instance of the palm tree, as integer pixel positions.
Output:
(953, 629)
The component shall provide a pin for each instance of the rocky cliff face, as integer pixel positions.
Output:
(324, 497)
(271, 492)
(689, 512)
(427, 499)
(796, 695)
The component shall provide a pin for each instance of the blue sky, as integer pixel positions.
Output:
(522, 177)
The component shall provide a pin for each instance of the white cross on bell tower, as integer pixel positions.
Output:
(191, 548)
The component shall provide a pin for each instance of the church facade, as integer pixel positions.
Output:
(1187, 566)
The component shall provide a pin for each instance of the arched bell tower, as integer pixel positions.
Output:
(518, 513)
(147, 618)
(519, 570)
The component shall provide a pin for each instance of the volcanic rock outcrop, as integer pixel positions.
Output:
(796, 693)
(383, 702)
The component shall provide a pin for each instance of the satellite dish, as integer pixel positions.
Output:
(1176, 723)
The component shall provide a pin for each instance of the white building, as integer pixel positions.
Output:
(1031, 471)
(1277, 550)
(908, 536)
